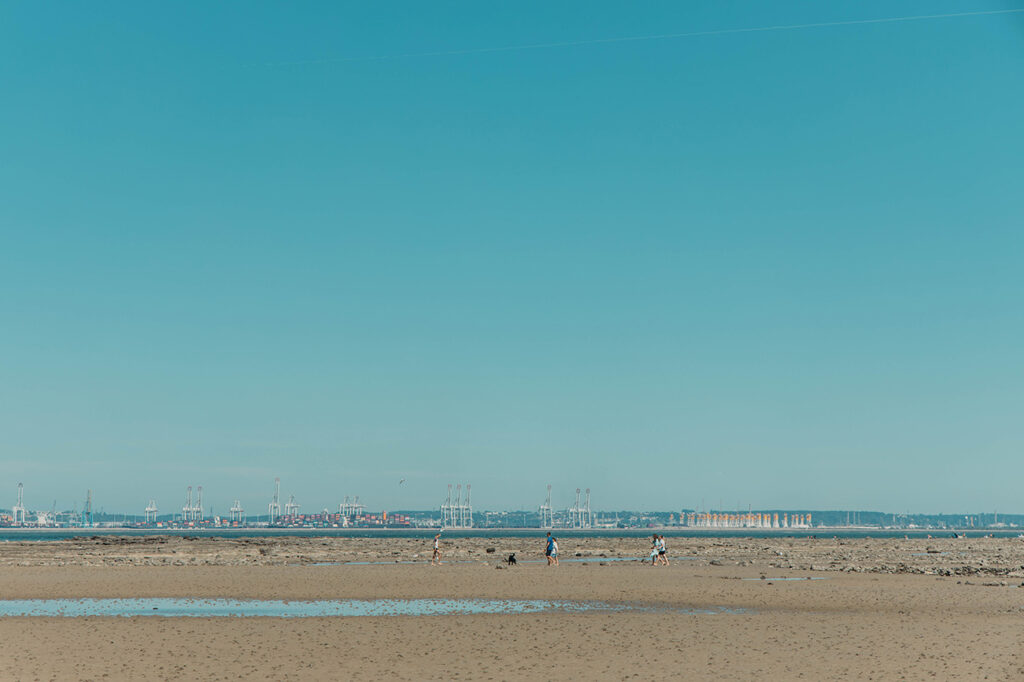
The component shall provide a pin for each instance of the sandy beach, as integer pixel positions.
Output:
(883, 610)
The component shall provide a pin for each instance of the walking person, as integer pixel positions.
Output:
(551, 551)
(662, 551)
(654, 549)
(436, 559)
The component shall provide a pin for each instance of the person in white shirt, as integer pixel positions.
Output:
(436, 559)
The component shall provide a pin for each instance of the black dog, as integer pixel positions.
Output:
(511, 561)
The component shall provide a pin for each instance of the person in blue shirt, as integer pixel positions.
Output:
(551, 552)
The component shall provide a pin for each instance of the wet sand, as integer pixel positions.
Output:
(888, 609)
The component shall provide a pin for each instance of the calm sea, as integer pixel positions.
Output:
(35, 534)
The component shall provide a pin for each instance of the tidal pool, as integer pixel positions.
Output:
(794, 578)
(167, 607)
(491, 558)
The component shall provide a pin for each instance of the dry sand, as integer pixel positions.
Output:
(887, 610)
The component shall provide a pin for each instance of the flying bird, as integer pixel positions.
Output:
(401, 482)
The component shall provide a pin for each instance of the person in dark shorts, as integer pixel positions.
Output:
(551, 551)
(436, 559)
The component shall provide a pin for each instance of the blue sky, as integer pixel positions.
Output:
(776, 268)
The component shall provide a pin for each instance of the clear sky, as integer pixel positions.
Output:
(779, 268)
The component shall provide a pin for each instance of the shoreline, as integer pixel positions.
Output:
(1002, 557)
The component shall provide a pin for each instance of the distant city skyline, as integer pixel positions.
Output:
(216, 504)
(773, 268)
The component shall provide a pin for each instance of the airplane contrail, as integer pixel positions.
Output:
(663, 36)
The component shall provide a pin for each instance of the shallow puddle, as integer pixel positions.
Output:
(592, 559)
(813, 578)
(166, 607)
